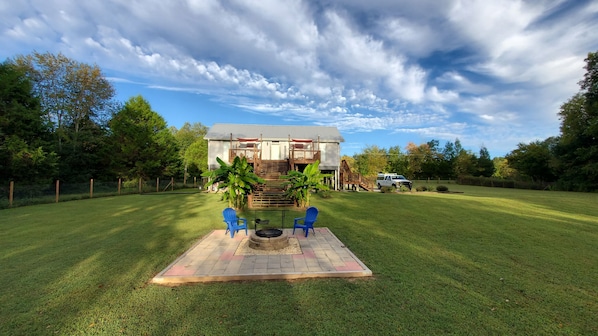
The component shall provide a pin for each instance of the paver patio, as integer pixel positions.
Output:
(217, 257)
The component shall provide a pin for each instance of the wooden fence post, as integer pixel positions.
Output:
(172, 184)
(140, 185)
(157, 184)
(194, 181)
(11, 191)
(119, 185)
(57, 190)
(91, 188)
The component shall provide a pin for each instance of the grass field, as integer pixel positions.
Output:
(480, 261)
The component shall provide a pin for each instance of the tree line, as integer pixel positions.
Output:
(59, 120)
(568, 161)
(423, 161)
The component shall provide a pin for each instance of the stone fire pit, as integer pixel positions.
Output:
(268, 239)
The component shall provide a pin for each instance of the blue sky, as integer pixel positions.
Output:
(385, 72)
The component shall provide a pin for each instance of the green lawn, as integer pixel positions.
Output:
(484, 261)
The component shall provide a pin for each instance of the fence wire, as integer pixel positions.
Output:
(22, 194)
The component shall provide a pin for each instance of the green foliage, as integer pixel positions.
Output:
(504, 183)
(533, 160)
(421, 188)
(76, 99)
(388, 189)
(417, 156)
(131, 184)
(371, 161)
(397, 161)
(448, 155)
(24, 149)
(193, 148)
(196, 157)
(237, 181)
(301, 184)
(466, 163)
(485, 164)
(427, 160)
(143, 147)
(502, 168)
(403, 188)
(577, 149)
(442, 188)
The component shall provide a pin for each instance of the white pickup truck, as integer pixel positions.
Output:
(392, 180)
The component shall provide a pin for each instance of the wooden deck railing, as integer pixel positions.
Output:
(252, 154)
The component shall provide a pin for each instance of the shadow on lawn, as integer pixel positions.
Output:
(83, 267)
(86, 255)
(495, 256)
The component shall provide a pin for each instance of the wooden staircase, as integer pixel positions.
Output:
(271, 193)
(350, 178)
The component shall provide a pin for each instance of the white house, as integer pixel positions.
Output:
(276, 149)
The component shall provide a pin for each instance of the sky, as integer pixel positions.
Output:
(384, 72)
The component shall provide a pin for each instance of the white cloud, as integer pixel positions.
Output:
(415, 38)
(480, 70)
(459, 83)
(362, 60)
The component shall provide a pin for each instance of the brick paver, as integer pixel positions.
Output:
(213, 258)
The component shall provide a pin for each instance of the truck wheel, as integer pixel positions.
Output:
(379, 186)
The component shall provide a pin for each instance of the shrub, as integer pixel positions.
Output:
(404, 188)
(442, 188)
(387, 189)
(421, 188)
(131, 184)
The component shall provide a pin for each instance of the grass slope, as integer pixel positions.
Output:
(485, 261)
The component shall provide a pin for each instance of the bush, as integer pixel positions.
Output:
(442, 188)
(502, 183)
(387, 189)
(131, 184)
(421, 188)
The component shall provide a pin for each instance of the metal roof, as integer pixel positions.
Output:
(273, 132)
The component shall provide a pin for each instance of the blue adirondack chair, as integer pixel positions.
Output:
(233, 222)
(308, 221)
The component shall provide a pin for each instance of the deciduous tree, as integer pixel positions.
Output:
(397, 161)
(371, 161)
(72, 93)
(193, 148)
(533, 160)
(577, 149)
(76, 100)
(143, 146)
(502, 168)
(466, 164)
(24, 151)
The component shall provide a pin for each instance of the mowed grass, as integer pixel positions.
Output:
(484, 261)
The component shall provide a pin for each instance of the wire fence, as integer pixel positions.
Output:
(21, 194)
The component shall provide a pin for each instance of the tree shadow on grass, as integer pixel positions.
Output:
(476, 256)
(63, 259)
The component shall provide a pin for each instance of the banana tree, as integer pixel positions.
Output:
(237, 180)
(300, 184)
